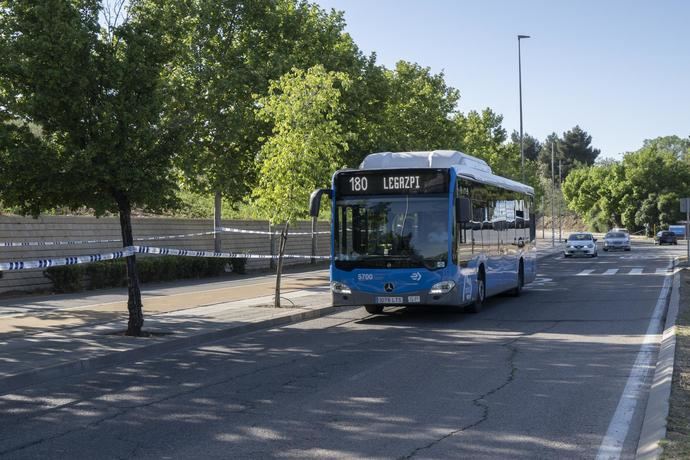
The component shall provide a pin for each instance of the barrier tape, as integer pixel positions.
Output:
(77, 242)
(262, 232)
(45, 263)
(224, 255)
(130, 250)
(12, 244)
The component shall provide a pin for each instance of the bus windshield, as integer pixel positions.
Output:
(392, 231)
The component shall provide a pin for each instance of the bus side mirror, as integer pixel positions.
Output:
(463, 210)
(315, 200)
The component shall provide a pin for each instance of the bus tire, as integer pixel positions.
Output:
(478, 303)
(517, 290)
(374, 309)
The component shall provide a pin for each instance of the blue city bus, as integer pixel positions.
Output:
(427, 228)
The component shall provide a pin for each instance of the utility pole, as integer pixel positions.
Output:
(553, 192)
(522, 148)
(543, 217)
(560, 201)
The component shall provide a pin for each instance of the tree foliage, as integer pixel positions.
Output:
(531, 145)
(107, 138)
(571, 151)
(234, 49)
(482, 135)
(307, 142)
(416, 111)
(640, 191)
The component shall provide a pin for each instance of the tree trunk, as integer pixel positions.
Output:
(134, 306)
(279, 271)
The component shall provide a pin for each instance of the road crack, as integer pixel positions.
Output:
(481, 401)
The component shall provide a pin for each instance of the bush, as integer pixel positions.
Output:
(67, 278)
(113, 273)
(239, 265)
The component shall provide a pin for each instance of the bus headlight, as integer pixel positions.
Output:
(443, 287)
(340, 288)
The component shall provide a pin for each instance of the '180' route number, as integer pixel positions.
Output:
(358, 184)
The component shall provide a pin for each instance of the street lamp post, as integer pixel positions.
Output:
(522, 147)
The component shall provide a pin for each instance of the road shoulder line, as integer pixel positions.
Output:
(656, 414)
(612, 444)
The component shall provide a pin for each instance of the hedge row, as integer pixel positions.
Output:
(113, 273)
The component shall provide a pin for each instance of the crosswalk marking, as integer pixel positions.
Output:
(623, 271)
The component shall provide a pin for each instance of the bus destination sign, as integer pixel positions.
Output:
(402, 181)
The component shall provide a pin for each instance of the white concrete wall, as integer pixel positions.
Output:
(62, 228)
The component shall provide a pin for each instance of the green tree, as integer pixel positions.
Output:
(235, 49)
(650, 170)
(417, 110)
(575, 149)
(552, 141)
(364, 120)
(581, 191)
(641, 191)
(482, 135)
(305, 148)
(678, 146)
(572, 150)
(307, 142)
(531, 145)
(107, 138)
(648, 212)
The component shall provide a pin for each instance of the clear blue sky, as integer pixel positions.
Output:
(619, 69)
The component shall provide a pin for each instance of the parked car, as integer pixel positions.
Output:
(617, 240)
(665, 237)
(620, 229)
(580, 244)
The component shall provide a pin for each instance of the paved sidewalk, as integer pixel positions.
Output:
(39, 356)
(46, 337)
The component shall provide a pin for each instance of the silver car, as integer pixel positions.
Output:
(617, 240)
(580, 244)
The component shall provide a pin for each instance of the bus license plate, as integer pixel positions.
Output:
(389, 300)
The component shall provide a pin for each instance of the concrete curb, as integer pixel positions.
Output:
(656, 413)
(78, 366)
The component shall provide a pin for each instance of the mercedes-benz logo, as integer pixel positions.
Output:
(388, 287)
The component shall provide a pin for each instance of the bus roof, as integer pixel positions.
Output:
(465, 166)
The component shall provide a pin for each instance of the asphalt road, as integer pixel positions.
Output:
(539, 376)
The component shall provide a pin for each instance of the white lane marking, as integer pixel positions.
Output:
(664, 271)
(612, 444)
(585, 272)
(635, 271)
(611, 271)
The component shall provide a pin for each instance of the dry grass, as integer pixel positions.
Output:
(677, 442)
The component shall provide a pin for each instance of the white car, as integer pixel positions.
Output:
(617, 240)
(580, 244)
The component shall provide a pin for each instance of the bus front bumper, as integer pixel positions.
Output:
(419, 298)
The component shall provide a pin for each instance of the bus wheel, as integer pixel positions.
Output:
(517, 290)
(374, 309)
(478, 303)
